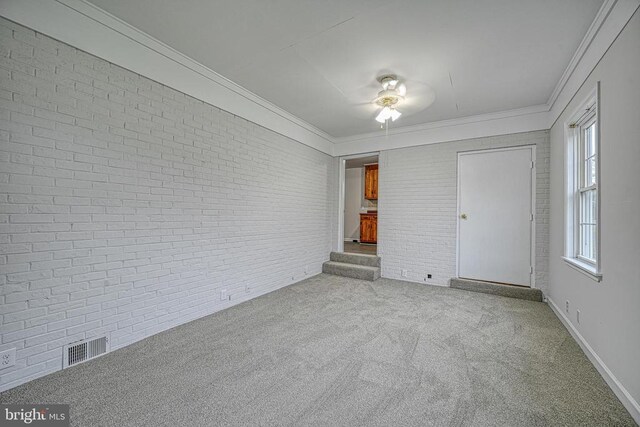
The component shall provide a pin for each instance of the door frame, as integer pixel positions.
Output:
(532, 229)
(341, 192)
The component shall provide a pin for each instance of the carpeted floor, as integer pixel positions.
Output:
(332, 351)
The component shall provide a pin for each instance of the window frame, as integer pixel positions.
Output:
(583, 187)
(587, 115)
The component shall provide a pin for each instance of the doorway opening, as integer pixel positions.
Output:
(359, 210)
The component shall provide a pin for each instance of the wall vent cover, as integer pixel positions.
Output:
(81, 351)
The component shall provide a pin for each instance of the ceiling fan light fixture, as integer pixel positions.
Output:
(388, 82)
(388, 113)
(384, 115)
(393, 97)
(391, 94)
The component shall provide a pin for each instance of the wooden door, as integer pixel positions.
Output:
(368, 228)
(374, 229)
(374, 190)
(364, 229)
(371, 182)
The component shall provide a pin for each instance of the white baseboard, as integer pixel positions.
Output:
(625, 397)
(351, 240)
(213, 309)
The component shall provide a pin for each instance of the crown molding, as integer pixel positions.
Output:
(602, 14)
(445, 123)
(492, 124)
(603, 31)
(89, 28)
(605, 28)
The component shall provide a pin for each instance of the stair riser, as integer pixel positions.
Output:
(368, 260)
(355, 273)
(497, 289)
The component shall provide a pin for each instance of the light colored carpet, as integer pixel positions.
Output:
(333, 351)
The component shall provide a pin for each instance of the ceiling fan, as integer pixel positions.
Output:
(392, 93)
(396, 96)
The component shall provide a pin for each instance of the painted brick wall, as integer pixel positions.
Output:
(417, 207)
(126, 206)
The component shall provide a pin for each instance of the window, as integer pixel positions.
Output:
(587, 192)
(582, 225)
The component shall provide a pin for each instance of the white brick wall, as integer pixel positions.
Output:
(126, 206)
(418, 202)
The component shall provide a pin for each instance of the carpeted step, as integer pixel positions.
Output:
(355, 271)
(359, 259)
(510, 291)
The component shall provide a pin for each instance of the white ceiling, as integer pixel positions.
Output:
(319, 59)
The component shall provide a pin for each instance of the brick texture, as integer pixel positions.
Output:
(126, 206)
(417, 207)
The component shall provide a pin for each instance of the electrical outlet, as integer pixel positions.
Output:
(428, 276)
(404, 273)
(223, 295)
(7, 358)
(566, 306)
(578, 315)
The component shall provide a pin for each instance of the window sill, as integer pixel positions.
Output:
(584, 268)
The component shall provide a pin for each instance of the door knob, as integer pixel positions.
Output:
(463, 216)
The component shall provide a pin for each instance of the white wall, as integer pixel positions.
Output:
(353, 194)
(417, 207)
(86, 27)
(610, 314)
(126, 206)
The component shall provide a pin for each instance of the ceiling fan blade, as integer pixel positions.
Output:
(362, 94)
(418, 96)
(402, 89)
(364, 111)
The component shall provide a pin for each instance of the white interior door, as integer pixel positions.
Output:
(495, 221)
